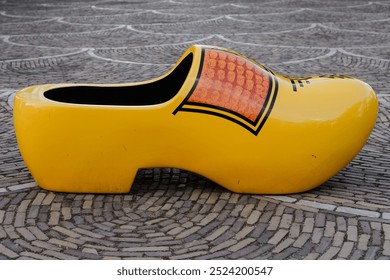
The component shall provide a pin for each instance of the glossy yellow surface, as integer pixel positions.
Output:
(315, 127)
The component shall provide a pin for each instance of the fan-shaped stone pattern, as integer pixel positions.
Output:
(163, 6)
(51, 26)
(223, 9)
(173, 214)
(13, 171)
(367, 68)
(106, 37)
(19, 52)
(372, 7)
(308, 15)
(143, 55)
(51, 70)
(7, 18)
(376, 26)
(151, 17)
(318, 36)
(165, 221)
(218, 25)
(379, 53)
(305, 4)
(71, 9)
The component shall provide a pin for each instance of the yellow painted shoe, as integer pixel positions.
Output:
(216, 113)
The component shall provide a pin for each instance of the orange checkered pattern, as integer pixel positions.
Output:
(228, 81)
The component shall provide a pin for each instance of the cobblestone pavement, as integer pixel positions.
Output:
(173, 214)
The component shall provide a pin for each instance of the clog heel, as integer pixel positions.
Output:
(216, 113)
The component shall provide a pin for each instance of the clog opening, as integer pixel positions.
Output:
(151, 93)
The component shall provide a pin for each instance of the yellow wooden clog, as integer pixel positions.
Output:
(216, 113)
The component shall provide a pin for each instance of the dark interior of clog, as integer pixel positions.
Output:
(151, 93)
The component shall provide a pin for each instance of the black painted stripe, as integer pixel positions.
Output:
(293, 85)
(270, 107)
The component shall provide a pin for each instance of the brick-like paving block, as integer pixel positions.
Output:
(171, 213)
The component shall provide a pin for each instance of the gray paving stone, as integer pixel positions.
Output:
(26, 234)
(274, 223)
(54, 218)
(63, 243)
(23, 206)
(20, 219)
(38, 199)
(189, 255)
(283, 245)
(386, 230)
(317, 235)
(36, 256)
(209, 218)
(81, 255)
(45, 245)
(308, 225)
(338, 239)
(320, 220)
(223, 245)
(58, 255)
(386, 248)
(66, 232)
(2, 214)
(84, 232)
(346, 249)
(302, 239)
(241, 244)
(254, 217)
(360, 212)
(330, 253)
(341, 224)
(247, 210)
(286, 221)
(22, 186)
(246, 230)
(363, 242)
(352, 233)
(386, 215)
(28, 246)
(316, 204)
(242, 253)
(323, 245)
(147, 249)
(7, 252)
(266, 216)
(11, 233)
(312, 256)
(217, 233)
(371, 253)
(357, 254)
(39, 234)
(329, 229)
(188, 232)
(278, 236)
(365, 227)
(285, 254)
(3, 234)
(209, 228)
(263, 249)
(219, 206)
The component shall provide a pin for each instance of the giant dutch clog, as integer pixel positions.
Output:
(216, 113)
